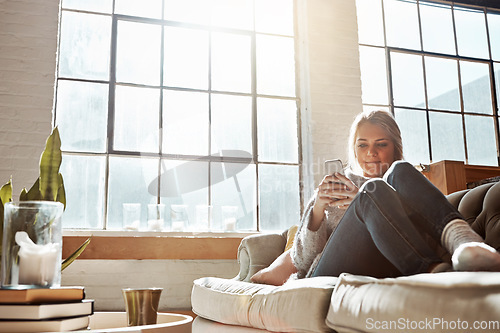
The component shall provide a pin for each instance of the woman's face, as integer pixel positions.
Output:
(374, 150)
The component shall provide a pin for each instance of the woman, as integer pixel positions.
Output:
(388, 219)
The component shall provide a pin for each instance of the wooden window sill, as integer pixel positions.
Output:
(138, 245)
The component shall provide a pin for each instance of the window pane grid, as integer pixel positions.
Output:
(453, 79)
(125, 92)
(76, 10)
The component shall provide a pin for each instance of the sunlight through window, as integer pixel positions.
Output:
(162, 104)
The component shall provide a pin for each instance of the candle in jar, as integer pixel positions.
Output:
(37, 263)
(177, 225)
(133, 226)
(230, 224)
(155, 225)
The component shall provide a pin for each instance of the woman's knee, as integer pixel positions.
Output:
(375, 186)
(399, 169)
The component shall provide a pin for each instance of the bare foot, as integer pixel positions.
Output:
(476, 256)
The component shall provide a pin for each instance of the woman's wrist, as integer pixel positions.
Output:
(316, 219)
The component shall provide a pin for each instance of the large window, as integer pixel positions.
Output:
(436, 66)
(179, 114)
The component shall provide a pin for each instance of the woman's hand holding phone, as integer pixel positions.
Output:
(342, 192)
(335, 190)
(336, 186)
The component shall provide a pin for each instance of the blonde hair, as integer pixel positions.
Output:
(375, 117)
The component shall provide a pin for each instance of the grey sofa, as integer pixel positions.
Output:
(440, 302)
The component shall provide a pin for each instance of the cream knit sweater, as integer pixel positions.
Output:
(308, 245)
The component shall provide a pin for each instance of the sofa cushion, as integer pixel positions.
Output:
(479, 206)
(202, 325)
(441, 302)
(296, 306)
(259, 251)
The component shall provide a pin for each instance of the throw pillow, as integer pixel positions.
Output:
(290, 237)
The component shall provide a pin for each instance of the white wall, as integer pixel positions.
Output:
(104, 279)
(28, 45)
(28, 41)
(334, 80)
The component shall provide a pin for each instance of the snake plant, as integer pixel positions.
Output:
(49, 186)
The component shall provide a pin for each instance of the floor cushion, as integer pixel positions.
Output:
(441, 302)
(297, 306)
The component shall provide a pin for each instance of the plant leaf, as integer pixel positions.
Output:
(34, 192)
(6, 192)
(5, 196)
(50, 162)
(24, 195)
(75, 254)
(61, 193)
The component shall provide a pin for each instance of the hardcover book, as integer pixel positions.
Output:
(51, 325)
(46, 311)
(41, 295)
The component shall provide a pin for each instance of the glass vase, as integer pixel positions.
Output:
(32, 244)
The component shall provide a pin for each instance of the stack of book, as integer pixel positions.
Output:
(44, 309)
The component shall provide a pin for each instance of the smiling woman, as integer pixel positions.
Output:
(387, 220)
(374, 143)
(374, 150)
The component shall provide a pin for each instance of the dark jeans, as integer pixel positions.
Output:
(393, 227)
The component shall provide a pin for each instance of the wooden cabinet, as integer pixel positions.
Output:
(451, 176)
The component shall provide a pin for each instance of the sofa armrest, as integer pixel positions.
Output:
(257, 252)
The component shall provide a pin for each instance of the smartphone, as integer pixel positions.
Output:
(333, 166)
